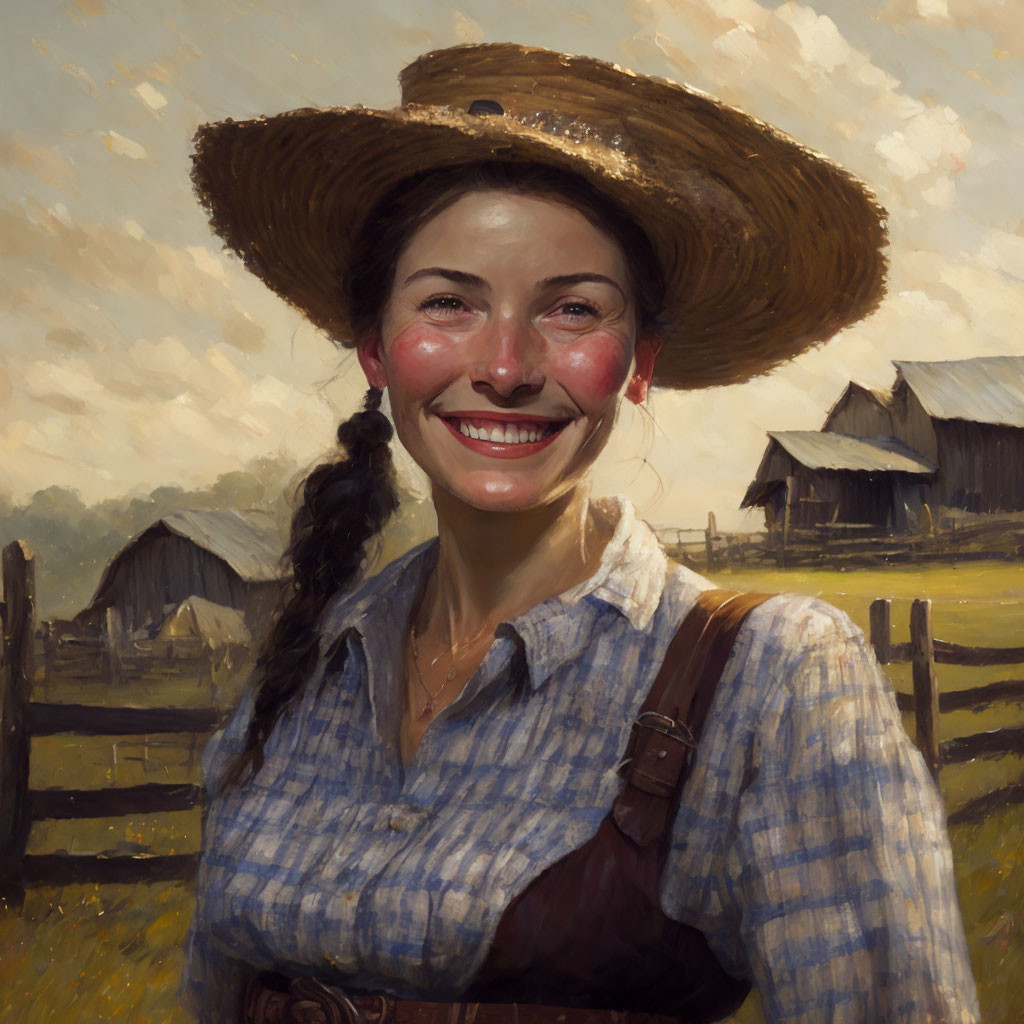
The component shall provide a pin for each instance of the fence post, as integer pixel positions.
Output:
(881, 629)
(710, 535)
(787, 520)
(926, 691)
(112, 640)
(19, 584)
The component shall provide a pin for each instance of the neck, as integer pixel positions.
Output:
(495, 565)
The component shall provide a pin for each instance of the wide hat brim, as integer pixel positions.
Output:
(767, 248)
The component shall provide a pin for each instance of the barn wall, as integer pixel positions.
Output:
(912, 425)
(888, 501)
(981, 466)
(165, 569)
(859, 414)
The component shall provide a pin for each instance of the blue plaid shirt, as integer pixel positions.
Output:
(809, 846)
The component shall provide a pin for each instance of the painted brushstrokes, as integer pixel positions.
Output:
(146, 371)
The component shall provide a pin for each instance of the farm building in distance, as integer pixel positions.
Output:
(948, 435)
(218, 555)
(829, 478)
(967, 417)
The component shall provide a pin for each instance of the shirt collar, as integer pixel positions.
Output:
(629, 579)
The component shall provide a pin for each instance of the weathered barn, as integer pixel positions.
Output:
(966, 416)
(220, 555)
(814, 477)
(861, 412)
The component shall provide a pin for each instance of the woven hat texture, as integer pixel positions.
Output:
(767, 247)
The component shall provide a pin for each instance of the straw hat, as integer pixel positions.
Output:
(767, 247)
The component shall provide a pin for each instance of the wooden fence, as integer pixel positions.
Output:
(924, 652)
(76, 660)
(21, 719)
(847, 545)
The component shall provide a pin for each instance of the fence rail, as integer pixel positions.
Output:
(90, 720)
(924, 652)
(78, 658)
(21, 719)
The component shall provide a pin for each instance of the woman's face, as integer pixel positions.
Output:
(506, 344)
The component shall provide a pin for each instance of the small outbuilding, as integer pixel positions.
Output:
(212, 625)
(221, 556)
(810, 477)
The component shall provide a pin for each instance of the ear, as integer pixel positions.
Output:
(646, 351)
(368, 350)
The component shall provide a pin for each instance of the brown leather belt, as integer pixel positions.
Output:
(308, 1001)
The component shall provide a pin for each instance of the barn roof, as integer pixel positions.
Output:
(817, 450)
(248, 544)
(986, 389)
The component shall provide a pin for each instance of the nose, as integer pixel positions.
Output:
(509, 367)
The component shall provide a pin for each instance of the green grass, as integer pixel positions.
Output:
(97, 953)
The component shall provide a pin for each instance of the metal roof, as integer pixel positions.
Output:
(817, 450)
(249, 544)
(986, 389)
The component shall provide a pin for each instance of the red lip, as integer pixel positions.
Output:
(495, 449)
(498, 416)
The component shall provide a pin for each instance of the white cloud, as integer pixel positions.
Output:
(822, 46)
(151, 96)
(937, 10)
(738, 44)
(117, 143)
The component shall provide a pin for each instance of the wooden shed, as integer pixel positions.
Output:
(811, 477)
(219, 555)
(966, 416)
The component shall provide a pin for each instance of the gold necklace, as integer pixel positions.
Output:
(428, 709)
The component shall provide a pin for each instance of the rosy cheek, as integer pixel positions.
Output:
(595, 371)
(418, 358)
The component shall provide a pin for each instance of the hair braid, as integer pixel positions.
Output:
(345, 505)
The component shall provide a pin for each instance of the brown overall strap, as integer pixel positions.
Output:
(669, 724)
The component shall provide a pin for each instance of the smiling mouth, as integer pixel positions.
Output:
(511, 432)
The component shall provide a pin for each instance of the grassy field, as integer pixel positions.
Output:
(97, 953)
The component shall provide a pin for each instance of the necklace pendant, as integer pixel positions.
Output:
(427, 712)
(451, 674)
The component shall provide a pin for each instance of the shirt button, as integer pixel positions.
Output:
(396, 825)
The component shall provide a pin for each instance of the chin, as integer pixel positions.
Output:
(503, 494)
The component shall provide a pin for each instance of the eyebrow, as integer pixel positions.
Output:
(566, 280)
(473, 280)
(457, 276)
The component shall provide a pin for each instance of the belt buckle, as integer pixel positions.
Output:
(313, 1002)
(667, 726)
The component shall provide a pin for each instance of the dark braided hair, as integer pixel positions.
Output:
(345, 505)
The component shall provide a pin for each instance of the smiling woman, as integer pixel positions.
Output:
(511, 315)
(534, 771)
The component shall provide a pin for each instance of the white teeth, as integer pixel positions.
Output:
(503, 434)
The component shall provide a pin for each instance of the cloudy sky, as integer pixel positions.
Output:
(135, 353)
